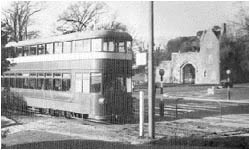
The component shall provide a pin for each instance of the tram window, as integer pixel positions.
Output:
(33, 50)
(2, 81)
(67, 47)
(19, 51)
(117, 47)
(66, 82)
(32, 83)
(96, 45)
(11, 52)
(121, 46)
(40, 83)
(95, 82)
(41, 49)
(49, 48)
(5, 53)
(26, 51)
(49, 84)
(58, 47)
(8, 53)
(105, 46)
(78, 46)
(57, 84)
(86, 45)
(26, 83)
(12, 82)
(111, 46)
(19, 82)
(6, 82)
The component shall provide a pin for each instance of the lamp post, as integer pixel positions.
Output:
(228, 72)
(161, 72)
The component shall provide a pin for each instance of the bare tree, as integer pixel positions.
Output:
(18, 18)
(80, 15)
(111, 23)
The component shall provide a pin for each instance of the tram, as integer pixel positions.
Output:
(80, 74)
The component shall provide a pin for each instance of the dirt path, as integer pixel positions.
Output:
(209, 127)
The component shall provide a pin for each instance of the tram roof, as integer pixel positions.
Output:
(74, 36)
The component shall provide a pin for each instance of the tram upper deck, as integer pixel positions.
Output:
(102, 44)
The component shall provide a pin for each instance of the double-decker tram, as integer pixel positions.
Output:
(78, 74)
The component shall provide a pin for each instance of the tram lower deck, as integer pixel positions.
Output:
(99, 89)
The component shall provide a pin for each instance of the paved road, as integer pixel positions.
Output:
(177, 109)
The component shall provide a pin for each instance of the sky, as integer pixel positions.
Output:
(171, 18)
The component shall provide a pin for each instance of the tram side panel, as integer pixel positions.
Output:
(71, 102)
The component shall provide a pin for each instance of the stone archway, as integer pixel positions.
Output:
(188, 74)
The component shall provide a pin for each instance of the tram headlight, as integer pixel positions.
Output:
(101, 100)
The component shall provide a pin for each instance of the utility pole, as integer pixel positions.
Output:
(151, 77)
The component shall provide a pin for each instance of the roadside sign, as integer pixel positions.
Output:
(141, 59)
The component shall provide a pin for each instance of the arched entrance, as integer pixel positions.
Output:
(188, 74)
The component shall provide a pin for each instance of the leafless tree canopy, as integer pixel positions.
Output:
(113, 24)
(17, 19)
(80, 15)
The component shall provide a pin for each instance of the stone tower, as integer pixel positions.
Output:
(210, 56)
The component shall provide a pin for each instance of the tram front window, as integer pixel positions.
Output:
(117, 84)
(95, 82)
(129, 46)
(108, 45)
(121, 46)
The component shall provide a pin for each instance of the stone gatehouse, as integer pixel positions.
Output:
(201, 67)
